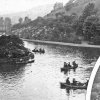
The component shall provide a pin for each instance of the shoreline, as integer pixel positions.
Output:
(20, 60)
(62, 43)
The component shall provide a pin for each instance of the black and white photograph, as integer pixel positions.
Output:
(49, 49)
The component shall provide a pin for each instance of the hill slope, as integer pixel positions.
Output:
(76, 21)
(74, 6)
(32, 13)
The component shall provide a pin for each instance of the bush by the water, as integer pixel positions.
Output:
(12, 47)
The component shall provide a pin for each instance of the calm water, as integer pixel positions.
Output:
(40, 80)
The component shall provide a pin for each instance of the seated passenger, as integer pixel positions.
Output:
(74, 82)
(43, 51)
(67, 81)
(69, 65)
(40, 50)
(65, 64)
(74, 63)
(87, 83)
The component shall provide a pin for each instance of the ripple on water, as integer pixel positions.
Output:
(41, 79)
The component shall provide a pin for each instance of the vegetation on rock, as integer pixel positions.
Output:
(12, 47)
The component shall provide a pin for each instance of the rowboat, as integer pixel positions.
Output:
(38, 51)
(65, 85)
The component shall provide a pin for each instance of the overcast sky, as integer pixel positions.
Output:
(12, 6)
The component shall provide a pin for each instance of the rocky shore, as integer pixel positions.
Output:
(12, 50)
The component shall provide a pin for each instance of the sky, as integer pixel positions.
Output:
(13, 6)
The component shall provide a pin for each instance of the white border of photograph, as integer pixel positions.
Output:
(91, 80)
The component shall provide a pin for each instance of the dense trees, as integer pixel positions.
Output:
(89, 27)
(88, 11)
(65, 28)
(11, 47)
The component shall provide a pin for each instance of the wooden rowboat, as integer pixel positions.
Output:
(64, 86)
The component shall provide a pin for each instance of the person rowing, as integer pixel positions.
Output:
(69, 66)
(43, 51)
(67, 81)
(87, 83)
(65, 64)
(74, 82)
(40, 50)
(74, 64)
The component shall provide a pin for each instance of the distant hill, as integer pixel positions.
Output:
(73, 6)
(65, 23)
(32, 13)
(47, 11)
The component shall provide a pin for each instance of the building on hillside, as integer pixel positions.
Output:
(2, 28)
(5, 25)
(8, 25)
(58, 6)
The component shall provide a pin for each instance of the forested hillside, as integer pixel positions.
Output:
(78, 20)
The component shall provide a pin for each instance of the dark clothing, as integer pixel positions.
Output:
(65, 64)
(74, 64)
(87, 83)
(68, 82)
(69, 66)
(74, 82)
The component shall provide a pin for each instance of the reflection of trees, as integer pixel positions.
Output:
(10, 73)
(89, 55)
(86, 55)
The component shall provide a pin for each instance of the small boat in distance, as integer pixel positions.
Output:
(38, 50)
(68, 67)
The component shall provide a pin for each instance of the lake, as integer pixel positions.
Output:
(41, 80)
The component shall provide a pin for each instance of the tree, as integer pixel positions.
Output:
(89, 27)
(13, 46)
(88, 11)
(96, 40)
(69, 5)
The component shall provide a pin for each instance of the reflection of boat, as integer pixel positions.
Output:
(68, 68)
(64, 86)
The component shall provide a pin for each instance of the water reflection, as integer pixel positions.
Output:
(10, 74)
(40, 80)
(87, 55)
(57, 55)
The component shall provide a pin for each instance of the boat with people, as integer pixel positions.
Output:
(65, 85)
(68, 66)
(74, 85)
(38, 50)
